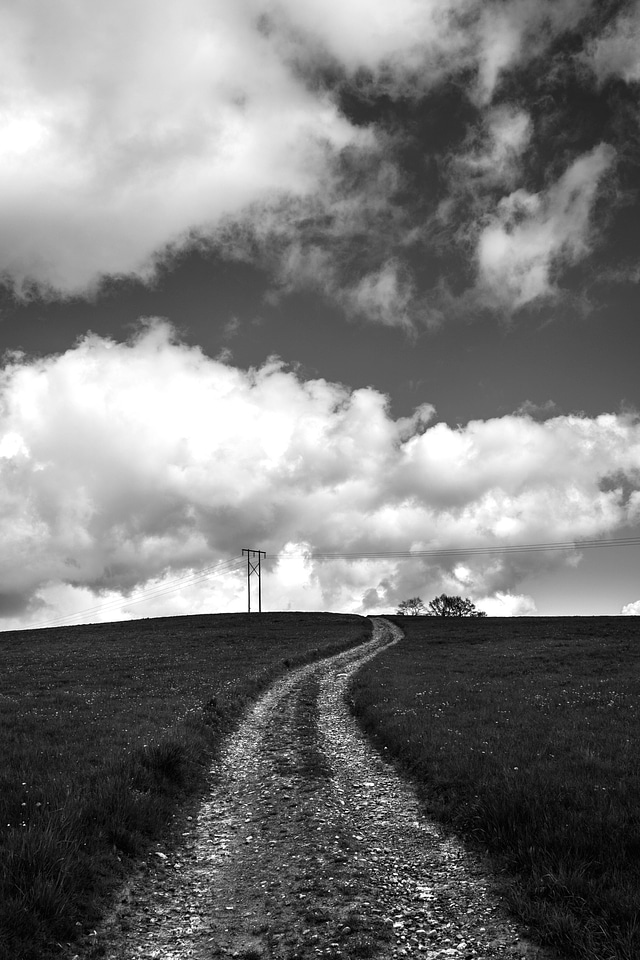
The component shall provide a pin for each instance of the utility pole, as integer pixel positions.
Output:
(253, 567)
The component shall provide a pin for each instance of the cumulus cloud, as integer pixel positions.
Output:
(125, 127)
(507, 605)
(631, 609)
(128, 465)
(138, 128)
(131, 127)
(531, 234)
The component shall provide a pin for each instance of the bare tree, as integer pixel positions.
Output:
(413, 607)
(444, 606)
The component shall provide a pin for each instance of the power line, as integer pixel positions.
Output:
(435, 552)
(170, 586)
(234, 564)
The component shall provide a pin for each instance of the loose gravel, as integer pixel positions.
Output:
(310, 845)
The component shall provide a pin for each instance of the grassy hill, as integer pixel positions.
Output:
(524, 734)
(104, 731)
(521, 734)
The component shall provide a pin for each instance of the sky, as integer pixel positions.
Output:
(353, 283)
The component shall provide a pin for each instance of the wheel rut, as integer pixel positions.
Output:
(310, 845)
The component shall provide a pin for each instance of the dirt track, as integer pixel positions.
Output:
(309, 845)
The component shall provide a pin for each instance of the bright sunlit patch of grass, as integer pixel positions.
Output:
(104, 729)
(523, 734)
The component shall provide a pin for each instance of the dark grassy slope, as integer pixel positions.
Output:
(525, 735)
(104, 730)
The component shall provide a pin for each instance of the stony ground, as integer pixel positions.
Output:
(309, 845)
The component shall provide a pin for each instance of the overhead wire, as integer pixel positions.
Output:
(170, 586)
(234, 564)
(481, 550)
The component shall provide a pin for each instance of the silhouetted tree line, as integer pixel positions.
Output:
(442, 606)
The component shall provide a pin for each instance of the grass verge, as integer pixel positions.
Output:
(104, 731)
(523, 734)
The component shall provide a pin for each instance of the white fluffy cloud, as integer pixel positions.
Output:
(531, 233)
(507, 605)
(128, 127)
(631, 609)
(124, 126)
(123, 465)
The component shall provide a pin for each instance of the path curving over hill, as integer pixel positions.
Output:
(309, 845)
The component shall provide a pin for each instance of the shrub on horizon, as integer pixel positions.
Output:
(442, 606)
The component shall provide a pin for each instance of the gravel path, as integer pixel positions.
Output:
(309, 845)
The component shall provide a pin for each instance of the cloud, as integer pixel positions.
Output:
(383, 297)
(428, 40)
(124, 128)
(496, 159)
(488, 163)
(132, 131)
(134, 127)
(513, 33)
(507, 605)
(126, 465)
(631, 609)
(617, 51)
(538, 411)
(346, 245)
(413, 36)
(532, 234)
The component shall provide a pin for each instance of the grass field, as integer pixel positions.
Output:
(524, 734)
(104, 730)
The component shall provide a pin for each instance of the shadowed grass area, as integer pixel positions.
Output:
(104, 730)
(524, 735)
